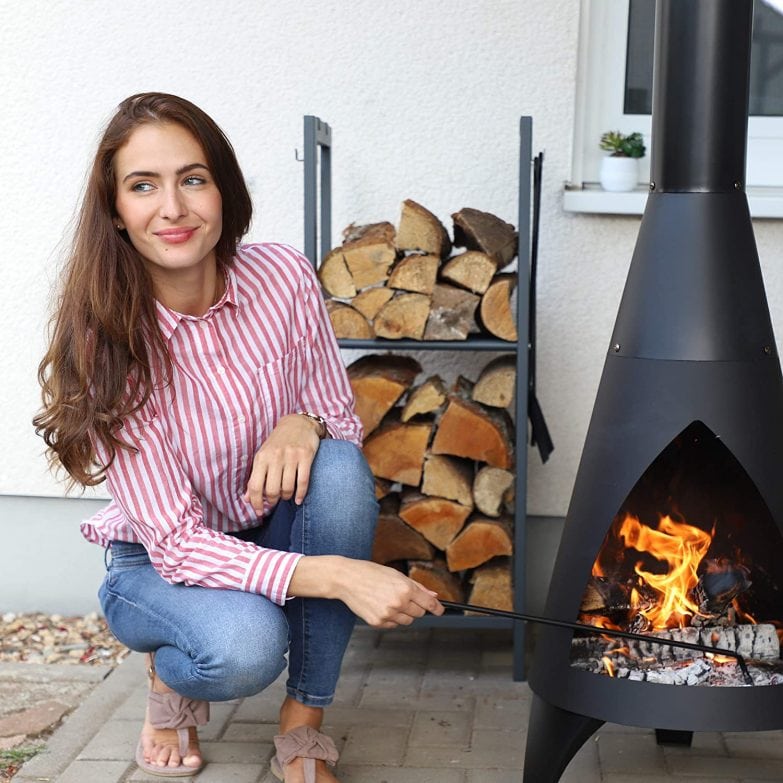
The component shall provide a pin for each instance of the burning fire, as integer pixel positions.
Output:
(682, 547)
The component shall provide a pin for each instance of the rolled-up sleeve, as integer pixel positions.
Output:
(154, 493)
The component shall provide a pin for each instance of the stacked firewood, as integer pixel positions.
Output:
(443, 459)
(403, 283)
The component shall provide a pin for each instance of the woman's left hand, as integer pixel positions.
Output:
(281, 467)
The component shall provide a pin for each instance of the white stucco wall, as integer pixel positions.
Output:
(424, 98)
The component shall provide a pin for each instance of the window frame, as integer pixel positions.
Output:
(600, 85)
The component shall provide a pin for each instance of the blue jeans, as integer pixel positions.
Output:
(216, 644)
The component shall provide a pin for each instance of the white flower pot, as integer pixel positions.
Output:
(619, 173)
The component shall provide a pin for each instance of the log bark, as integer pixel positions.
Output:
(415, 273)
(420, 230)
(403, 316)
(452, 314)
(448, 477)
(371, 300)
(491, 490)
(335, 277)
(378, 381)
(472, 270)
(480, 541)
(495, 310)
(495, 386)
(395, 451)
(483, 231)
(437, 519)
(435, 576)
(347, 322)
(491, 586)
(369, 233)
(394, 540)
(426, 398)
(470, 430)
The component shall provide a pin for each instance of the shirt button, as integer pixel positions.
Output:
(221, 370)
(204, 325)
(241, 420)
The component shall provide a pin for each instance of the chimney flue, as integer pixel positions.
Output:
(700, 95)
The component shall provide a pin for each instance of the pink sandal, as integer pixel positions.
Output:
(306, 743)
(172, 711)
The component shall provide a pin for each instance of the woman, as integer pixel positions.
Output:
(200, 379)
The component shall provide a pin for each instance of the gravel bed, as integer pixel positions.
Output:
(43, 638)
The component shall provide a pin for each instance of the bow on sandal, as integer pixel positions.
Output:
(306, 743)
(173, 711)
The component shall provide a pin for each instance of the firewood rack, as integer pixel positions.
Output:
(318, 138)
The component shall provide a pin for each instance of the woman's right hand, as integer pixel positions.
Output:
(379, 595)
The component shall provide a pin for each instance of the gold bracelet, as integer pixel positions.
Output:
(323, 431)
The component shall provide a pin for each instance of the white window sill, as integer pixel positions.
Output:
(763, 202)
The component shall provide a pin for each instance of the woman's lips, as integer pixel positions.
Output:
(175, 236)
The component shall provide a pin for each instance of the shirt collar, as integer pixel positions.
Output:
(169, 320)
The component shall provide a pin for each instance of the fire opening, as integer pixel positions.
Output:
(692, 555)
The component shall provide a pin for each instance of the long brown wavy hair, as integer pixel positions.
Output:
(98, 369)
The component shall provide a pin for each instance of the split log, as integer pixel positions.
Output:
(480, 541)
(394, 540)
(491, 490)
(759, 642)
(347, 322)
(426, 398)
(420, 230)
(495, 311)
(395, 451)
(437, 519)
(369, 233)
(472, 270)
(371, 300)
(378, 381)
(435, 576)
(452, 314)
(448, 477)
(495, 386)
(483, 231)
(403, 316)
(369, 262)
(492, 586)
(335, 277)
(368, 252)
(467, 429)
(415, 273)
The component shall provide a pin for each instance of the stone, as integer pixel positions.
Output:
(33, 721)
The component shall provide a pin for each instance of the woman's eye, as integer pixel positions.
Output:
(142, 187)
(194, 180)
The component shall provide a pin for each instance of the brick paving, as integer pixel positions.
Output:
(414, 706)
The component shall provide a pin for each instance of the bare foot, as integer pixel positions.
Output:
(293, 714)
(161, 746)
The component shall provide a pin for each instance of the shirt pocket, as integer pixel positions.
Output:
(280, 385)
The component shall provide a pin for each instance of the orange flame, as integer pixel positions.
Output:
(682, 547)
(608, 665)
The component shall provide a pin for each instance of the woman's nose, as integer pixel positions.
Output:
(173, 204)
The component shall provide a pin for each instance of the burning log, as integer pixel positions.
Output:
(721, 582)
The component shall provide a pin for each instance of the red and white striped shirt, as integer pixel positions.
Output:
(264, 350)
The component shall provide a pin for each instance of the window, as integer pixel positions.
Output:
(614, 90)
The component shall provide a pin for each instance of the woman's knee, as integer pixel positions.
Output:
(341, 476)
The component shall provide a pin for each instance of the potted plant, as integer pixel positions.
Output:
(620, 169)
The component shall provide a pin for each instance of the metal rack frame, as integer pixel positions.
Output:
(318, 134)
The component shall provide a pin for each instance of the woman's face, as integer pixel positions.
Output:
(167, 199)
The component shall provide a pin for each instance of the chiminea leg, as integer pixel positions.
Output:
(553, 738)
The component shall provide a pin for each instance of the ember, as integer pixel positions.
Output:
(660, 581)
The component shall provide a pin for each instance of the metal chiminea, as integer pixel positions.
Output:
(676, 520)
